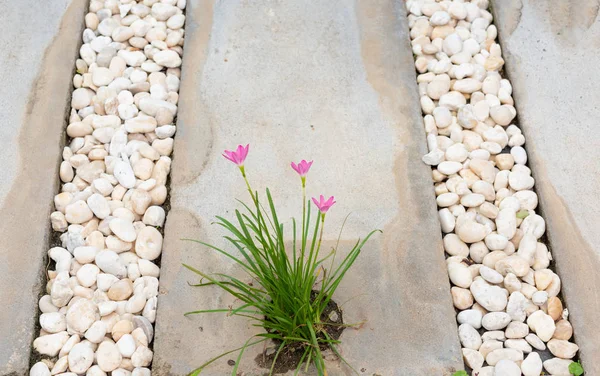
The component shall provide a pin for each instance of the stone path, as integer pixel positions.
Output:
(35, 67)
(329, 81)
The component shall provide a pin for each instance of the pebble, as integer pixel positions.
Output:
(503, 354)
(53, 322)
(149, 243)
(123, 229)
(469, 337)
(81, 315)
(108, 356)
(507, 368)
(496, 320)
(563, 330)
(542, 324)
(557, 366)
(39, 369)
(492, 298)
(562, 349)
(50, 344)
(80, 358)
(473, 359)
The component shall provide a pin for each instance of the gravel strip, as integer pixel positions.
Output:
(100, 305)
(507, 299)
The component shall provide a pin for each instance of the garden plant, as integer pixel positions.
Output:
(286, 291)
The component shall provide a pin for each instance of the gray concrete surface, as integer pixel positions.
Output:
(552, 51)
(329, 81)
(40, 41)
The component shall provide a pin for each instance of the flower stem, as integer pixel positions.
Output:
(243, 171)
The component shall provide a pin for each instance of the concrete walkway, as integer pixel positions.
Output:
(40, 40)
(322, 80)
(552, 50)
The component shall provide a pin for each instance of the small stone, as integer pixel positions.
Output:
(471, 232)
(507, 367)
(438, 87)
(167, 58)
(490, 275)
(504, 354)
(516, 330)
(123, 229)
(564, 330)
(81, 98)
(154, 216)
(121, 328)
(492, 298)
(109, 262)
(562, 349)
(126, 345)
(50, 344)
(535, 342)
(81, 315)
(124, 174)
(149, 243)
(452, 44)
(557, 366)
(146, 326)
(108, 356)
(520, 181)
(473, 359)
(542, 324)
(555, 308)
(539, 298)
(53, 322)
(80, 358)
(518, 344)
(98, 205)
(142, 357)
(495, 320)
(78, 212)
(532, 365)
(120, 290)
(151, 106)
(39, 369)
(96, 332)
(489, 346)
(469, 337)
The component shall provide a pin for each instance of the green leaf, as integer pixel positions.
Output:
(576, 369)
(522, 214)
(460, 373)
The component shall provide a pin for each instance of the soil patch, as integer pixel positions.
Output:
(290, 356)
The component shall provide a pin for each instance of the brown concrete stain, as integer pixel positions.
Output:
(28, 204)
(401, 243)
(513, 15)
(196, 52)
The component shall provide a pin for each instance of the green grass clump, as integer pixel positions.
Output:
(277, 294)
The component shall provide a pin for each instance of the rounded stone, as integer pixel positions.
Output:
(108, 356)
(80, 358)
(81, 315)
(149, 243)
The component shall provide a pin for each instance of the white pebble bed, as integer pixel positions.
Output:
(505, 294)
(100, 304)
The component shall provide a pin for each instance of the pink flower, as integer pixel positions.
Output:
(322, 204)
(302, 167)
(239, 156)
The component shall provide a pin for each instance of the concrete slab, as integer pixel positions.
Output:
(333, 82)
(551, 52)
(40, 42)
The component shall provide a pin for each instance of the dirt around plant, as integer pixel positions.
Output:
(290, 356)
